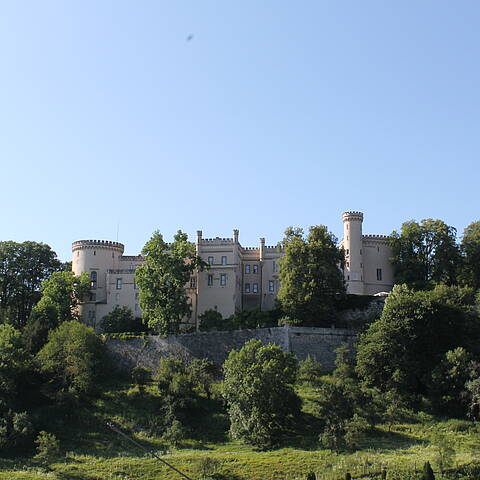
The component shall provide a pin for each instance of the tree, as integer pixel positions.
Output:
(23, 268)
(470, 247)
(400, 350)
(447, 390)
(61, 294)
(162, 279)
(258, 389)
(311, 275)
(14, 361)
(73, 359)
(425, 254)
(202, 373)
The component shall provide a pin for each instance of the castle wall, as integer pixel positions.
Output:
(147, 351)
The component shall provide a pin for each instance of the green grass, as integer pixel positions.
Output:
(93, 452)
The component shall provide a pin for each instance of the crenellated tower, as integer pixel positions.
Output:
(353, 246)
(96, 257)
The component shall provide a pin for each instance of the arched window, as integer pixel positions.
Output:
(93, 280)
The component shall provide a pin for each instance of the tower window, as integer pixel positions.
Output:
(271, 286)
(93, 280)
(224, 260)
(255, 268)
(210, 260)
(210, 280)
(247, 268)
(93, 297)
(94, 253)
(379, 274)
(223, 279)
(255, 288)
(119, 283)
(247, 288)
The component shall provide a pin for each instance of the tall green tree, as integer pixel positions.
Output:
(311, 275)
(23, 268)
(162, 279)
(400, 350)
(425, 254)
(61, 294)
(258, 389)
(471, 256)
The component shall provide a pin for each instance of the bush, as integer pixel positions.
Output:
(310, 370)
(121, 320)
(48, 448)
(174, 434)
(311, 476)
(202, 374)
(207, 467)
(141, 376)
(15, 429)
(73, 359)
(211, 320)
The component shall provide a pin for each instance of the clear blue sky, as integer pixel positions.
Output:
(276, 113)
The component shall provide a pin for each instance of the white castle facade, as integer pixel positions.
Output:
(238, 278)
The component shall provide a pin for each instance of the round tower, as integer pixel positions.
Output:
(95, 257)
(353, 244)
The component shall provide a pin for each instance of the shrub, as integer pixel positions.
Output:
(427, 472)
(73, 359)
(211, 320)
(309, 370)
(174, 434)
(48, 448)
(141, 376)
(207, 467)
(15, 429)
(121, 320)
(311, 476)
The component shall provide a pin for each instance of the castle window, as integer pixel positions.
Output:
(119, 283)
(348, 251)
(360, 251)
(210, 260)
(113, 254)
(210, 280)
(224, 260)
(379, 274)
(271, 286)
(247, 268)
(93, 297)
(223, 279)
(255, 268)
(348, 264)
(193, 282)
(255, 288)
(94, 253)
(247, 288)
(93, 280)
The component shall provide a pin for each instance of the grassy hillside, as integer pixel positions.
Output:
(93, 452)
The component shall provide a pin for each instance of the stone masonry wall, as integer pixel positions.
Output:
(301, 341)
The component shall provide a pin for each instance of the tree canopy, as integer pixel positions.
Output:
(258, 389)
(311, 275)
(400, 350)
(23, 268)
(425, 254)
(470, 247)
(162, 279)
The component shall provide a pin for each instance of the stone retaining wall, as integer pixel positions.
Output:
(301, 341)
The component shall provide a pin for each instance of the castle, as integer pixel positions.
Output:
(238, 278)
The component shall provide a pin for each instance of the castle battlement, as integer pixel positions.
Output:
(81, 244)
